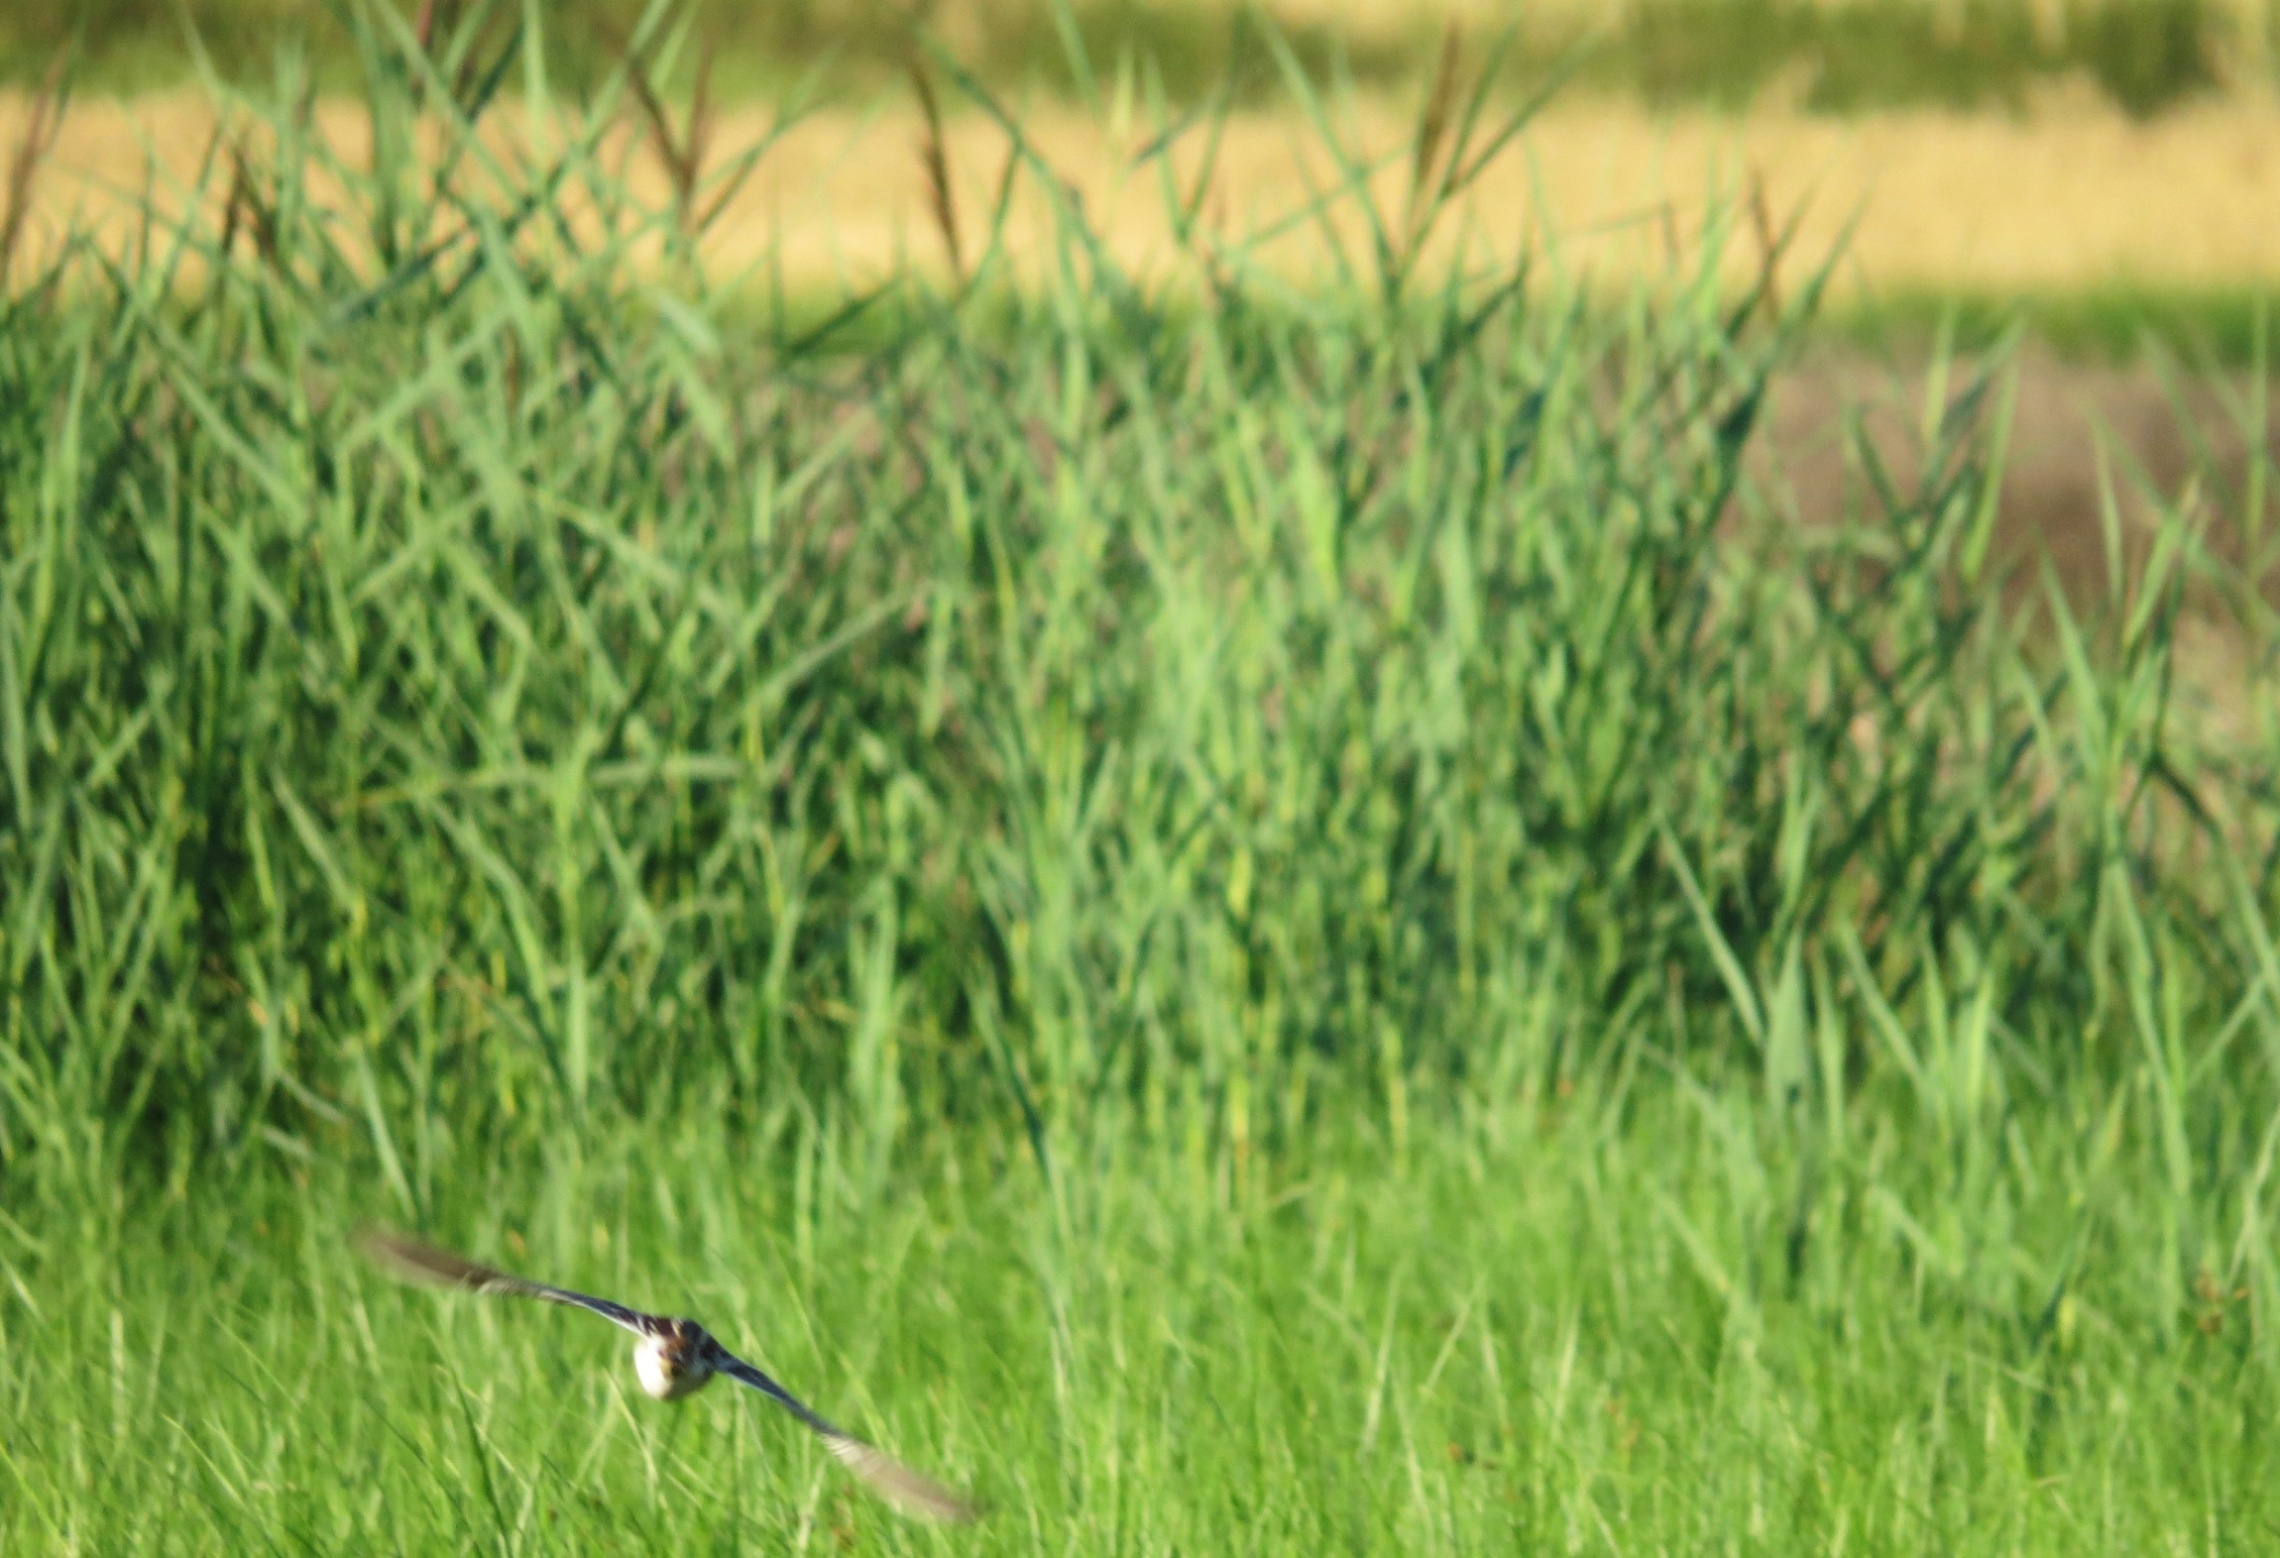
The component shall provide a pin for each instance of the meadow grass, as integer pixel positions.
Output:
(1620, 1321)
(1245, 916)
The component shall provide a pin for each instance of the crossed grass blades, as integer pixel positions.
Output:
(490, 708)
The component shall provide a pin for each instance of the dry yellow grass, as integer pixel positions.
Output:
(2074, 197)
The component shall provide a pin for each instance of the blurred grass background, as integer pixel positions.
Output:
(2093, 167)
(2101, 232)
(1831, 55)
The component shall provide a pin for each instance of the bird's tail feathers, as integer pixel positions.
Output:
(897, 1483)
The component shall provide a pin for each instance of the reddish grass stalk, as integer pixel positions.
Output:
(32, 149)
(934, 158)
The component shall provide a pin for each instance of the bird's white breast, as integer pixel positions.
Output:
(658, 1375)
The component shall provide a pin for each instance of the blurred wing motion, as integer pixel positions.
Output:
(416, 1262)
(693, 1350)
(907, 1490)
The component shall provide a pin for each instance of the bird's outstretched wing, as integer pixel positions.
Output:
(888, 1477)
(907, 1490)
(417, 1262)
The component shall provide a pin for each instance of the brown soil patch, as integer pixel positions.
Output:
(2081, 437)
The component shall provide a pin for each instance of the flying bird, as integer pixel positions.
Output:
(675, 1358)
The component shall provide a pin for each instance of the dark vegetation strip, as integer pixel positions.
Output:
(2198, 327)
(2144, 55)
(2197, 330)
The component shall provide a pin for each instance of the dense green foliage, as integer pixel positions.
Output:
(457, 678)
(2145, 55)
(1230, 889)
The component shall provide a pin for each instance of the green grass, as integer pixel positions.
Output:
(2209, 327)
(1564, 1324)
(1174, 904)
